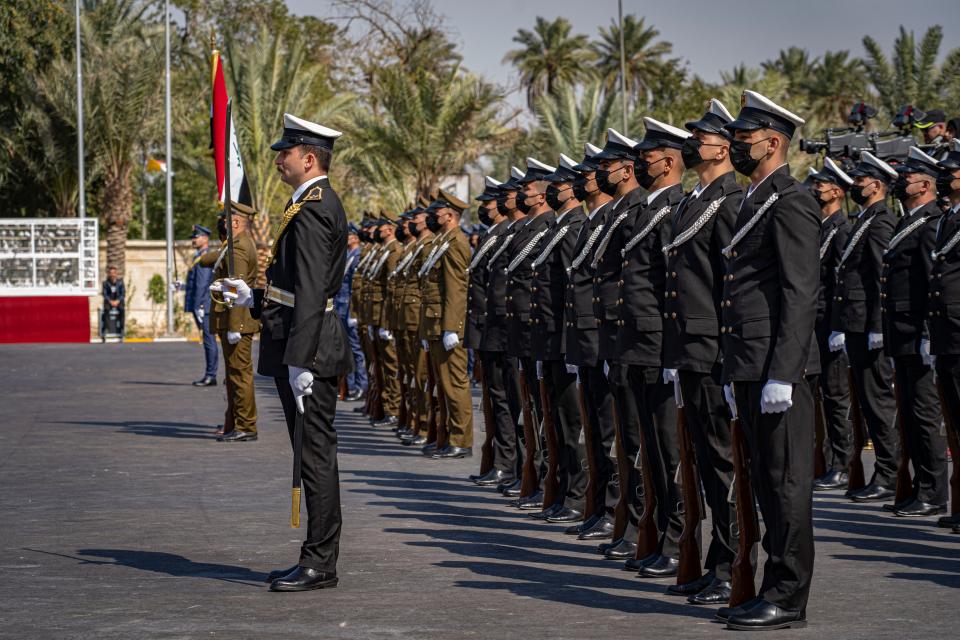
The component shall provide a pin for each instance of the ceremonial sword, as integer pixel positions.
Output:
(297, 464)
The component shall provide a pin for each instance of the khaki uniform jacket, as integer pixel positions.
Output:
(379, 302)
(395, 284)
(237, 319)
(444, 287)
(409, 316)
(369, 286)
(356, 284)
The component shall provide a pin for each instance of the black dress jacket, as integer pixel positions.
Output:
(520, 282)
(943, 314)
(495, 321)
(583, 339)
(477, 284)
(834, 235)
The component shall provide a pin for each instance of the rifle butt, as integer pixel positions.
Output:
(689, 568)
(856, 480)
(743, 587)
(551, 485)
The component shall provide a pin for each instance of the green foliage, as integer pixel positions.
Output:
(157, 290)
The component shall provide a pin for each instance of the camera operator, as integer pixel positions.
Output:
(933, 126)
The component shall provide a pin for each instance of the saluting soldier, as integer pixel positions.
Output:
(583, 346)
(303, 345)
(905, 295)
(548, 344)
(857, 316)
(379, 332)
(616, 178)
(829, 188)
(443, 284)
(235, 328)
(504, 383)
(769, 310)
(943, 315)
(699, 230)
(531, 202)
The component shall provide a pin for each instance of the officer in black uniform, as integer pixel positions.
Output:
(701, 228)
(829, 188)
(303, 344)
(532, 203)
(769, 310)
(943, 317)
(856, 314)
(548, 342)
(907, 266)
(583, 345)
(503, 384)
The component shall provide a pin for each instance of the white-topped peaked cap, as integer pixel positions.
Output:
(617, 146)
(590, 161)
(513, 182)
(565, 171)
(660, 134)
(952, 162)
(871, 165)
(491, 183)
(297, 131)
(714, 119)
(536, 170)
(760, 112)
(590, 150)
(833, 173)
(919, 162)
(491, 188)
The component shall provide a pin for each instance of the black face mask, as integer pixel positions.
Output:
(818, 196)
(604, 184)
(412, 229)
(522, 204)
(553, 197)
(900, 189)
(483, 216)
(740, 156)
(580, 189)
(690, 152)
(433, 222)
(502, 206)
(642, 167)
(945, 184)
(856, 194)
(401, 232)
(376, 235)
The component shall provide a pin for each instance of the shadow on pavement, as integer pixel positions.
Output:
(152, 428)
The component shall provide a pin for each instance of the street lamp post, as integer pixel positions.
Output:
(81, 186)
(623, 69)
(169, 174)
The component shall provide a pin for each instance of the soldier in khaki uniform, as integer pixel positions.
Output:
(381, 335)
(365, 306)
(443, 283)
(357, 293)
(236, 327)
(392, 311)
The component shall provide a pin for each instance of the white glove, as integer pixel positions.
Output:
(874, 341)
(351, 322)
(242, 296)
(670, 375)
(450, 340)
(200, 313)
(837, 341)
(731, 401)
(928, 359)
(426, 346)
(178, 285)
(370, 330)
(606, 368)
(233, 337)
(385, 335)
(301, 382)
(572, 368)
(776, 397)
(539, 370)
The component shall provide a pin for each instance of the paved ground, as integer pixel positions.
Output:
(120, 517)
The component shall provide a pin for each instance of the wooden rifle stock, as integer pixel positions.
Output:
(689, 569)
(551, 485)
(342, 394)
(648, 537)
(489, 430)
(403, 415)
(742, 587)
(433, 408)
(590, 501)
(819, 459)
(953, 438)
(904, 482)
(856, 479)
(620, 511)
(529, 482)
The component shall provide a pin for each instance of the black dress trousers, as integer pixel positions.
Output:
(872, 377)
(628, 424)
(533, 390)
(504, 391)
(920, 420)
(320, 476)
(599, 403)
(565, 409)
(834, 382)
(781, 461)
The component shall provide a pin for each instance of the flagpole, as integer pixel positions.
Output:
(81, 182)
(623, 68)
(169, 172)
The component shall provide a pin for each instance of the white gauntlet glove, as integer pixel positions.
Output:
(242, 297)
(351, 322)
(731, 401)
(776, 397)
(836, 341)
(301, 382)
(874, 341)
(233, 337)
(385, 335)
(450, 340)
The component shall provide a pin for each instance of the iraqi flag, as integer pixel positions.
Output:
(239, 189)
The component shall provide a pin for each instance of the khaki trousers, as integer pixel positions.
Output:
(241, 411)
(451, 371)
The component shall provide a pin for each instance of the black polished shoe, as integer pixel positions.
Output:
(724, 613)
(664, 567)
(635, 564)
(765, 617)
(450, 453)
(872, 493)
(495, 477)
(205, 381)
(603, 530)
(360, 409)
(577, 529)
(565, 515)
(692, 588)
(305, 579)
(918, 509)
(895, 506)
(404, 433)
(512, 491)
(388, 421)
(429, 448)
(833, 479)
(547, 512)
(354, 396)
(956, 529)
(603, 546)
(948, 522)
(415, 441)
(238, 436)
(280, 573)
(717, 592)
(531, 502)
(512, 484)
(622, 551)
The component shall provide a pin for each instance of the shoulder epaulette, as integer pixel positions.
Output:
(315, 193)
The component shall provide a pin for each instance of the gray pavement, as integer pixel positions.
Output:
(120, 517)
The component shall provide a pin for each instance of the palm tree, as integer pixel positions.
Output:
(549, 57)
(795, 65)
(835, 84)
(566, 121)
(646, 58)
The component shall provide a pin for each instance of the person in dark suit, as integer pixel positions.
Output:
(769, 310)
(943, 315)
(582, 355)
(856, 314)
(830, 186)
(547, 345)
(700, 229)
(905, 295)
(197, 301)
(303, 344)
